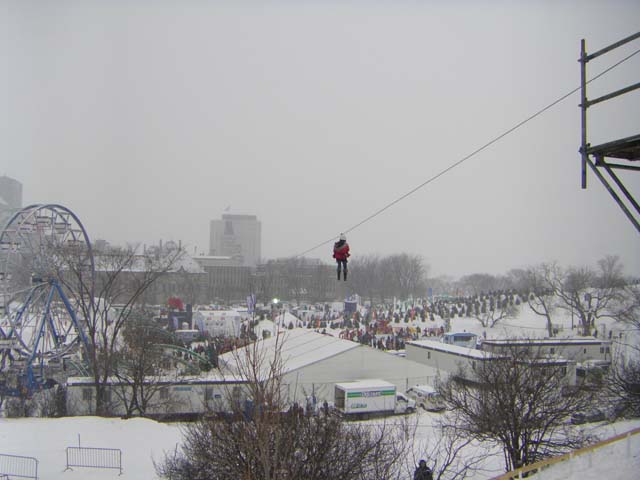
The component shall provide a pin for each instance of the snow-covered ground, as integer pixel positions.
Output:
(142, 441)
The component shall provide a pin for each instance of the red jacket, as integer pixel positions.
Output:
(341, 250)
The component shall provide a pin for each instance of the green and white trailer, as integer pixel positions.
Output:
(366, 398)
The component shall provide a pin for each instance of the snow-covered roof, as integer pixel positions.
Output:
(108, 262)
(425, 389)
(455, 349)
(298, 348)
(546, 341)
(187, 264)
(368, 383)
(212, 376)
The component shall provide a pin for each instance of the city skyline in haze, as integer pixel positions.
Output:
(149, 121)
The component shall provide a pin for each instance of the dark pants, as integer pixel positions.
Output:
(342, 264)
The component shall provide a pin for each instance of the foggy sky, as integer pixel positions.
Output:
(148, 119)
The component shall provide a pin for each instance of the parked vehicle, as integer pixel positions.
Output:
(404, 404)
(594, 415)
(426, 397)
(366, 398)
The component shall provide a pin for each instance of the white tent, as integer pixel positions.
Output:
(217, 323)
(312, 363)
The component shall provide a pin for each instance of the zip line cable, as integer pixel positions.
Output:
(469, 156)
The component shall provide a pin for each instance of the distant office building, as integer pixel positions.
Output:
(10, 198)
(238, 237)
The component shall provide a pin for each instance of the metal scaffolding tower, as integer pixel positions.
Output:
(624, 150)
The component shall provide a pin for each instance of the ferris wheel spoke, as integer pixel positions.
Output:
(41, 249)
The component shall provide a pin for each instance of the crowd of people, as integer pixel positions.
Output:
(385, 326)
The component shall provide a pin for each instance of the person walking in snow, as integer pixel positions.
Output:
(341, 253)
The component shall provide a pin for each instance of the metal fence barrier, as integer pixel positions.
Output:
(17, 466)
(94, 458)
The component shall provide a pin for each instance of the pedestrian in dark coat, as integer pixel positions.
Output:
(423, 472)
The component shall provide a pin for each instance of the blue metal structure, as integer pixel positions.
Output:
(38, 324)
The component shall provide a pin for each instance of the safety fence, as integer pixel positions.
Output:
(540, 466)
(16, 466)
(87, 457)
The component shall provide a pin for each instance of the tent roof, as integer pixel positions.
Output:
(298, 348)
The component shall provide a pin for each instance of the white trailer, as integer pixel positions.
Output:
(365, 398)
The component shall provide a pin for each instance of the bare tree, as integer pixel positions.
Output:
(590, 293)
(537, 285)
(320, 283)
(477, 284)
(365, 276)
(138, 365)
(263, 442)
(408, 274)
(629, 308)
(623, 385)
(293, 273)
(441, 285)
(106, 299)
(623, 379)
(520, 400)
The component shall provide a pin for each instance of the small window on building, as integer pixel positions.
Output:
(608, 350)
(584, 351)
(428, 355)
(601, 349)
(208, 393)
(552, 351)
(87, 394)
(563, 371)
(164, 393)
(473, 365)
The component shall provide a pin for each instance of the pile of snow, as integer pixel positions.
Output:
(141, 440)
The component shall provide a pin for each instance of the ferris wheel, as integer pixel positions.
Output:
(43, 249)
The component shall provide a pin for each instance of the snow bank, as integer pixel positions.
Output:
(141, 440)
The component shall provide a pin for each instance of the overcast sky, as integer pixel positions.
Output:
(149, 118)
